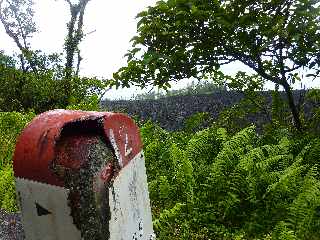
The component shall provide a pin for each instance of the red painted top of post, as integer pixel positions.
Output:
(35, 148)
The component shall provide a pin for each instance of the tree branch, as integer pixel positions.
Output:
(24, 37)
(69, 2)
(293, 68)
(78, 63)
(24, 50)
(8, 31)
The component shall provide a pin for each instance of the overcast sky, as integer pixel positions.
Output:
(103, 50)
(114, 24)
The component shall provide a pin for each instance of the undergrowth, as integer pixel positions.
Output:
(211, 184)
(11, 124)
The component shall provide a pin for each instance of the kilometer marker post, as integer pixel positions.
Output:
(81, 175)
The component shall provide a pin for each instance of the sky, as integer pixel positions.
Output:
(113, 23)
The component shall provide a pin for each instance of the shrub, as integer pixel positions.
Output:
(11, 124)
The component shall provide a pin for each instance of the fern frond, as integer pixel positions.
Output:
(183, 177)
(304, 212)
(289, 181)
(230, 155)
(167, 217)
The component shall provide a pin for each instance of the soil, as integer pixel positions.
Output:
(10, 226)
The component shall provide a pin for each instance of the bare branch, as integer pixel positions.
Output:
(69, 2)
(293, 68)
(7, 29)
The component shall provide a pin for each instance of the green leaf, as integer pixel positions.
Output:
(162, 6)
(171, 3)
(312, 64)
(142, 14)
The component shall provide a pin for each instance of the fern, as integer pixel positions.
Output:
(229, 156)
(167, 215)
(183, 177)
(282, 232)
(208, 185)
(311, 152)
(203, 148)
(227, 184)
(164, 188)
(166, 223)
(304, 212)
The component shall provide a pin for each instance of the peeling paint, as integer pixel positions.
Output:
(56, 225)
(83, 173)
(88, 195)
(115, 147)
(129, 203)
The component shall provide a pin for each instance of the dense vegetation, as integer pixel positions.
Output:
(218, 179)
(38, 81)
(215, 185)
(11, 124)
(179, 39)
(212, 183)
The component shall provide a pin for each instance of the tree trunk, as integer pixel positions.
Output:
(74, 37)
(293, 107)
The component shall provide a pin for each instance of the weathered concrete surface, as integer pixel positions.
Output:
(65, 164)
(129, 206)
(46, 214)
(129, 203)
(74, 174)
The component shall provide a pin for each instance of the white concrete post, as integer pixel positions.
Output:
(81, 175)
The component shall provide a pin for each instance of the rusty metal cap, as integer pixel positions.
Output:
(36, 146)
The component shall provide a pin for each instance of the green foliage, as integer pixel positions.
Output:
(22, 91)
(88, 104)
(282, 232)
(278, 108)
(38, 81)
(180, 39)
(314, 96)
(232, 187)
(213, 185)
(197, 122)
(7, 190)
(304, 211)
(11, 124)
(169, 221)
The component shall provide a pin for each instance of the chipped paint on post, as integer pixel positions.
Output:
(46, 215)
(81, 176)
(129, 203)
(115, 147)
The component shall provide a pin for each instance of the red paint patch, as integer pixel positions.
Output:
(126, 134)
(107, 173)
(36, 146)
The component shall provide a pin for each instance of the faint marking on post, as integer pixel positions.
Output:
(126, 150)
(116, 149)
(73, 185)
(129, 203)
